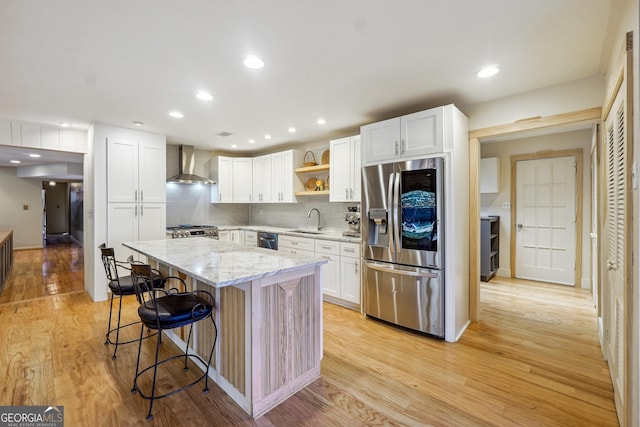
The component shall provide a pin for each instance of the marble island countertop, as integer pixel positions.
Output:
(221, 264)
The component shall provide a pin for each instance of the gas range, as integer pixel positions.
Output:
(187, 230)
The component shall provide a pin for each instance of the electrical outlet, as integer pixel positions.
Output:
(25, 207)
(506, 205)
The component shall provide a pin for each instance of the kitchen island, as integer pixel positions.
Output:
(268, 313)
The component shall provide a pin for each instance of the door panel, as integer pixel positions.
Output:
(546, 219)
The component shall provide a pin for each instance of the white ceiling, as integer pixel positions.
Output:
(351, 62)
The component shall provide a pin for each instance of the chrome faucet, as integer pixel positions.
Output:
(320, 226)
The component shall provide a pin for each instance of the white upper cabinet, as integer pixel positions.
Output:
(34, 135)
(242, 184)
(221, 191)
(284, 181)
(136, 170)
(5, 132)
(51, 137)
(122, 170)
(233, 177)
(31, 135)
(490, 175)
(268, 178)
(152, 163)
(262, 179)
(345, 169)
(410, 136)
(381, 141)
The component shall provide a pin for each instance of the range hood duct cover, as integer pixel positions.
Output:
(186, 168)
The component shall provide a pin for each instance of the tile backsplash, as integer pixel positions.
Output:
(191, 204)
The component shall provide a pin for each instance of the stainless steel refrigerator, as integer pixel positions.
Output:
(403, 243)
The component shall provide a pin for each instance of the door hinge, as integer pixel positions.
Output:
(575, 168)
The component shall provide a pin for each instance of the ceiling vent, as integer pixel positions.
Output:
(224, 133)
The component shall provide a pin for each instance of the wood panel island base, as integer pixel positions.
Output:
(268, 312)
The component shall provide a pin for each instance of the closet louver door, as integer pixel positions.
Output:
(618, 228)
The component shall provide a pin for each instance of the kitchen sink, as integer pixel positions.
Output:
(305, 231)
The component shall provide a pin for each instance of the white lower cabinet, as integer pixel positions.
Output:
(329, 250)
(251, 238)
(130, 222)
(341, 273)
(350, 272)
(234, 236)
(296, 245)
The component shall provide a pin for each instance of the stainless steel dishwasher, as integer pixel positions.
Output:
(268, 240)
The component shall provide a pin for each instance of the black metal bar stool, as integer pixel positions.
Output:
(120, 287)
(162, 310)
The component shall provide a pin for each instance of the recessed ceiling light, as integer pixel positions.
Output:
(176, 114)
(234, 146)
(292, 130)
(489, 71)
(35, 156)
(267, 136)
(205, 96)
(252, 141)
(14, 161)
(52, 183)
(137, 123)
(321, 121)
(64, 124)
(253, 62)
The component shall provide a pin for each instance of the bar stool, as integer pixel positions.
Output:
(162, 310)
(120, 286)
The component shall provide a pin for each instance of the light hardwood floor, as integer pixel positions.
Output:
(533, 359)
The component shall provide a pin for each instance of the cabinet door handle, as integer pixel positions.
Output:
(326, 247)
(135, 195)
(349, 250)
(135, 210)
(403, 146)
(142, 195)
(397, 148)
(141, 210)
(346, 193)
(356, 267)
(351, 193)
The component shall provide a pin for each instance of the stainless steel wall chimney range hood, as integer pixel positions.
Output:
(186, 165)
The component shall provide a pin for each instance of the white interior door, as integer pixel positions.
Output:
(546, 220)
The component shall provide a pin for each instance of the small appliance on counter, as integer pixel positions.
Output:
(352, 217)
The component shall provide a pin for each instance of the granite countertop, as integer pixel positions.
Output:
(324, 234)
(221, 264)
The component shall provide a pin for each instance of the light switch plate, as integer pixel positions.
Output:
(506, 205)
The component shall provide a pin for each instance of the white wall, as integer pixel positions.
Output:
(491, 204)
(14, 194)
(563, 98)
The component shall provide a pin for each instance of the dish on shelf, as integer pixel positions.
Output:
(314, 184)
(326, 157)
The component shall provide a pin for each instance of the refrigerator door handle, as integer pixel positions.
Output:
(390, 219)
(402, 271)
(396, 216)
